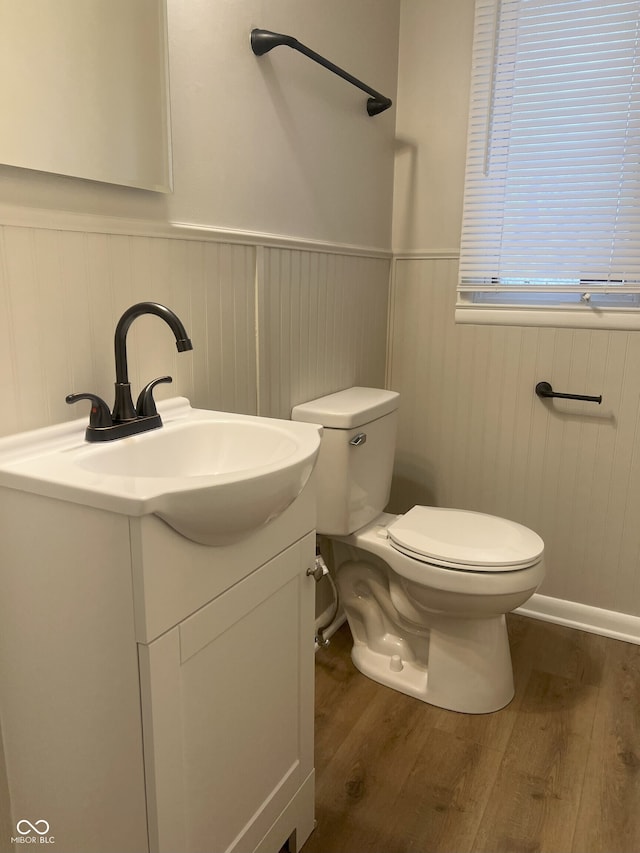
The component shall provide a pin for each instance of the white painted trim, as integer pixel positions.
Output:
(584, 617)
(608, 319)
(256, 238)
(391, 313)
(572, 614)
(62, 220)
(428, 255)
(258, 285)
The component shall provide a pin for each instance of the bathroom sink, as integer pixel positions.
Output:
(205, 448)
(214, 477)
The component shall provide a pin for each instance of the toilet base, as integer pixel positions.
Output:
(468, 666)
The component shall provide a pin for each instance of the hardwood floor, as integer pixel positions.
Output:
(558, 770)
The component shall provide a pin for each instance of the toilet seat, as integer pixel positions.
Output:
(465, 541)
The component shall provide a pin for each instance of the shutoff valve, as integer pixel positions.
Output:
(319, 569)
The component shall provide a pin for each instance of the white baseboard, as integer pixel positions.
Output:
(583, 617)
(594, 620)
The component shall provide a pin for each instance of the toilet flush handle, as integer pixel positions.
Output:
(358, 439)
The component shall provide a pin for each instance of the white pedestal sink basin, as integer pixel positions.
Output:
(214, 477)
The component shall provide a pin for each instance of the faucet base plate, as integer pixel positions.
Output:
(124, 429)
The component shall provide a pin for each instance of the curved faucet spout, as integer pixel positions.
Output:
(123, 408)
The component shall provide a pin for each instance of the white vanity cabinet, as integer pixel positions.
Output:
(228, 702)
(156, 694)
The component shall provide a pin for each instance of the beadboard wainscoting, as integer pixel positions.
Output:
(272, 325)
(322, 325)
(474, 435)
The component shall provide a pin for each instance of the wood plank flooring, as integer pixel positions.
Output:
(557, 771)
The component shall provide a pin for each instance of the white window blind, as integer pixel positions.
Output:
(552, 187)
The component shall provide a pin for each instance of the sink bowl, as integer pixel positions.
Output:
(202, 448)
(212, 476)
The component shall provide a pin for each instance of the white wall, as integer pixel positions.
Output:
(431, 124)
(472, 432)
(271, 144)
(278, 143)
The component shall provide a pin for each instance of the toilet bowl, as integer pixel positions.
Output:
(435, 632)
(425, 593)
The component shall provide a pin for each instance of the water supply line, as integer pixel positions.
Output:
(319, 571)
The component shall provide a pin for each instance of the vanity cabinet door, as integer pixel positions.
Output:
(227, 699)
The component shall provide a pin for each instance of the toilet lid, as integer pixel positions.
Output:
(471, 541)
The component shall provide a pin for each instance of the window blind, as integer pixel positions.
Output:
(552, 186)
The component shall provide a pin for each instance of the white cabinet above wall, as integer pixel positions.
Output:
(84, 90)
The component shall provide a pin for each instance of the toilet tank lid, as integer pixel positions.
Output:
(347, 409)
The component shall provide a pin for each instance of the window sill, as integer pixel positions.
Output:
(578, 317)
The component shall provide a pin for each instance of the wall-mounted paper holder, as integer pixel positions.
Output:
(544, 389)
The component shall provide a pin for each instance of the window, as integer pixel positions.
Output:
(551, 225)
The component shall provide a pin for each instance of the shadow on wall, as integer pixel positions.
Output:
(411, 484)
(406, 150)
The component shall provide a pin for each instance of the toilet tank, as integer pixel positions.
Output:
(355, 463)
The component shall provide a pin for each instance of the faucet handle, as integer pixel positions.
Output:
(146, 405)
(100, 414)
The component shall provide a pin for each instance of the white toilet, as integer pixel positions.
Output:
(425, 593)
